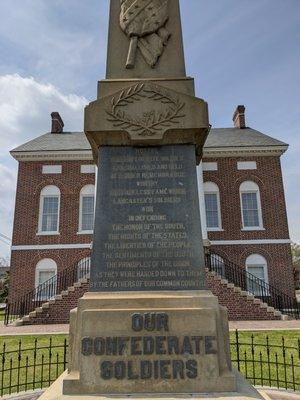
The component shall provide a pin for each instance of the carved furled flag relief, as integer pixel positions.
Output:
(143, 21)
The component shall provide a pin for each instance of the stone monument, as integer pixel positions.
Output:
(148, 326)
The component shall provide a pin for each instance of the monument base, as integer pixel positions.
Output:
(244, 391)
(144, 342)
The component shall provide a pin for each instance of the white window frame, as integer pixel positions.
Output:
(251, 187)
(212, 188)
(48, 191)
(257, 260)
(44, 265)
(87, 190)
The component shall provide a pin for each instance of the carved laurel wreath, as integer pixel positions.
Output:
(152, 122)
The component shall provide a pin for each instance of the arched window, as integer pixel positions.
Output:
(83, 268)
(257, 282)
(86, 209)
(212, 206)
(251, 206)
(49, 210)
(45, 279)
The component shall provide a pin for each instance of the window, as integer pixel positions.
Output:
(212, 206)
(251, 206)
(87, 205)
(257, 282)
(45, 279)
(83, 268)
(49, 210)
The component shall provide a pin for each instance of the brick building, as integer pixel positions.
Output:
(242, 204)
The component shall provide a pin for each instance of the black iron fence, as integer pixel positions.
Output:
(264, 362)
(259, 288)
(32, 367)
(225, 268)
(47, 290)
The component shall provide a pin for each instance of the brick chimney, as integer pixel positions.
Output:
(57, 123)
(239, 117)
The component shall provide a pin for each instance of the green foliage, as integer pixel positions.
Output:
(4, 284)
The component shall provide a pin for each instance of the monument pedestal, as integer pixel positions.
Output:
(169, 344)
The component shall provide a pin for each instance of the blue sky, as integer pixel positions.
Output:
(239, 51)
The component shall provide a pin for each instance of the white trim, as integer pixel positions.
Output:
(253, 229)
(48, 191)
(213, 188)
(251, 187)
(253, 241)
(201, 201)
(52, 155)
(89, 191)
(210, 166)
(88, 169)
(246, 165)
(51, 246)
(51, 169)
(241, 151)
(48, 233)
(88, 155)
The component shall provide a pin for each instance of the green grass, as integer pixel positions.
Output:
(271, 365)
(253, 354)
(34, 369)
(2, 315)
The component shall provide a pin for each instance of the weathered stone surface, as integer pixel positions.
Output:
(244, 392)
(147, 225)
(146, 114)
(164, 342)
(171, 62)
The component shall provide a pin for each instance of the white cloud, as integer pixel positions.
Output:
(25, 107)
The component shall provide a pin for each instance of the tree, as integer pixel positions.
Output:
(4, 284)
(4, 280)
(296, 263)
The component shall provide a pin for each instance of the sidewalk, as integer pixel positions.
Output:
(233, 325)
(268, 395)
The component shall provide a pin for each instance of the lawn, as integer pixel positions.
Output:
(264, 358)
(2, 312)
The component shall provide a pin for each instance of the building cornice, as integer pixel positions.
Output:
(52, 247)
(212, 152)
(249, 242)
(52, 155)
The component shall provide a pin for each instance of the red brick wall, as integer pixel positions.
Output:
(22, 275)
(239, 307)
(30, 183)
(268, 177)
(278, 257)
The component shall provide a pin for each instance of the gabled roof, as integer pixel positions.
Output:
(219, 139)
(235, 137)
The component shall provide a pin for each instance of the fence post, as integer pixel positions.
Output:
(237, 344)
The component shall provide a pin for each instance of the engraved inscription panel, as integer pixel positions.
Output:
(147, 225)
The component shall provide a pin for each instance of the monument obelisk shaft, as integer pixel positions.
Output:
(147, 326)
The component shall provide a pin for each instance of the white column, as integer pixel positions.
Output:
(202, 201)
